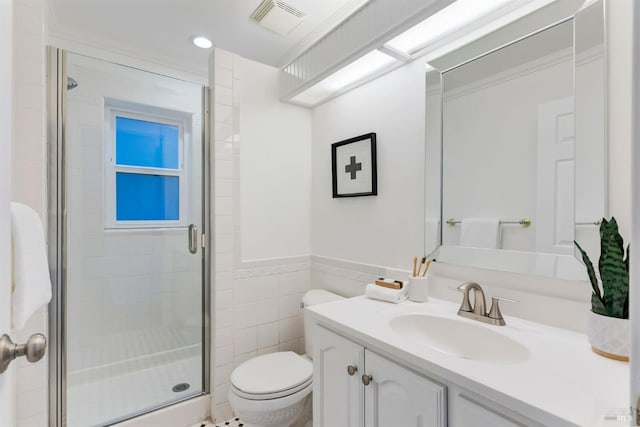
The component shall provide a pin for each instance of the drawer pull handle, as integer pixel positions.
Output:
(352, 369)
(366, 379)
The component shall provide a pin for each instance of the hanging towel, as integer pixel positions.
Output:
(31, 281)
(387, 294)
(480, 233)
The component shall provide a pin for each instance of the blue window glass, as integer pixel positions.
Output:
(142, 197)
(146, 144)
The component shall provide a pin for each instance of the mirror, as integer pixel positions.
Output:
(523, 168)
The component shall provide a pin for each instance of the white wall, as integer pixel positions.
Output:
(619, 32)
(275, 184)
(634, 297)
(386, 229)
(29, 184)
(257, 303)
(7, 385)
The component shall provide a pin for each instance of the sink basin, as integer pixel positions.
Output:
(460, 338)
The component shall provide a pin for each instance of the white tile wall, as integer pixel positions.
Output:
(257, 309)
(29, 170)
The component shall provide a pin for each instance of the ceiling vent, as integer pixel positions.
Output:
(278, 16)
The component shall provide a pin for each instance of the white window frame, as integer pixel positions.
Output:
(115, 109)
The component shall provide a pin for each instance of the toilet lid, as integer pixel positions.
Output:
(272, 373)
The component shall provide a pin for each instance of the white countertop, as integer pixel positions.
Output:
(562, 382)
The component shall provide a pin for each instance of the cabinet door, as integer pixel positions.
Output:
(400, 398)
(472, 414)
(337, 395)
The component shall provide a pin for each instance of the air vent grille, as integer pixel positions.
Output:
(292, 10)
(278, 16)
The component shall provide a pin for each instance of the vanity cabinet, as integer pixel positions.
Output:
(355, 387)
(465, 410)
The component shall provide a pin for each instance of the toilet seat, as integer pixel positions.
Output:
(272, 376)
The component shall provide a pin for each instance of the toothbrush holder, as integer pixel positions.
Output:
(419, 289)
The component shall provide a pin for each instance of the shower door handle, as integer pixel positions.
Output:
(193, 238)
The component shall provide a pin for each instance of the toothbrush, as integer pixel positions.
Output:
(415, 264)
(426, 268)
(424, 259)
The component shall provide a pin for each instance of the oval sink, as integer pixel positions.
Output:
(460, 338)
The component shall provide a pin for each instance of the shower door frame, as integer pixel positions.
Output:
(56, 205)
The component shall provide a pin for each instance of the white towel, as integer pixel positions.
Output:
(387, 294)
(480, 233)
(31, 281)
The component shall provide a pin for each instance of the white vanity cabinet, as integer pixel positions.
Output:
(355, 387)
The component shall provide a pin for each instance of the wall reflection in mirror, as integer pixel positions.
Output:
(523, 152)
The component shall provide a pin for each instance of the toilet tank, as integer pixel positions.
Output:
(313, 297)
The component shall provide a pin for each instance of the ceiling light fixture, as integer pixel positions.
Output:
(359, 69)
(459, 22)
(449, 19)
(202, 42)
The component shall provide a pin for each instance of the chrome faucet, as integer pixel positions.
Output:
(478, 311)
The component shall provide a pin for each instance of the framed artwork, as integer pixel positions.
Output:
(353, 167)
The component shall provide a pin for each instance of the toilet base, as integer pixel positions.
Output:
(279, 418)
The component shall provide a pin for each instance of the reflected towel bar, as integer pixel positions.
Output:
(597, 222)
(524, 222)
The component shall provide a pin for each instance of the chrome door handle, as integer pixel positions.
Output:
(193, 238)
(33, 349)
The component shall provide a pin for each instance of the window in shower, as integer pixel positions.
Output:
(146, 174)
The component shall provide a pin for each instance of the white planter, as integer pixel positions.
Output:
(609, 336)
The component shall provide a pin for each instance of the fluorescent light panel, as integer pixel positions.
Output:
(357, 70)
(449, 19)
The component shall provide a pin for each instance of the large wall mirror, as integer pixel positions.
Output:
(516, 141)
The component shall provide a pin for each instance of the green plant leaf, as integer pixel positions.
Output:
(597, 306)
(613, 269)
(591, 272)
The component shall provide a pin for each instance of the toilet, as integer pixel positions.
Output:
(271, 390)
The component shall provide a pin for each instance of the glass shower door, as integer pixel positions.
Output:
(133, 283)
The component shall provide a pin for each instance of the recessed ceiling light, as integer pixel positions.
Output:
(202, 42)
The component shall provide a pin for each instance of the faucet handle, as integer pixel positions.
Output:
(494, 312)
(466, 303)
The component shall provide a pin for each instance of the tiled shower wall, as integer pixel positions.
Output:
(29, 185)
(257, 304)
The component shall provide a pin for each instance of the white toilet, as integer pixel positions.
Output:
(270, 390)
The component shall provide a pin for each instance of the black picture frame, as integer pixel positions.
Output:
(338, 151)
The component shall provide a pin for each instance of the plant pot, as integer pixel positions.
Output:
(609, 336)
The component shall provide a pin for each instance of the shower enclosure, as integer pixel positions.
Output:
(127, 240)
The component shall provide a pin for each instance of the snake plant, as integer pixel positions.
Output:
(612, 298)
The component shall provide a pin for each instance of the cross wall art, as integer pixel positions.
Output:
(353, 166)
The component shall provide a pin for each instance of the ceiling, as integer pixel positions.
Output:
(160, 30)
